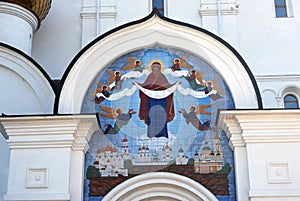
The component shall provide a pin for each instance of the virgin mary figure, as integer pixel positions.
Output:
(156, 102)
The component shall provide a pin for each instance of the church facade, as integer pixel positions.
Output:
(171, 101)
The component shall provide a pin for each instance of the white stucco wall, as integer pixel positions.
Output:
(23, 86)
(268, 44)
(24, 91)
(18, 96)
(4, 166)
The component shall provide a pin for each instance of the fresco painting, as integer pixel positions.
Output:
(157, 110)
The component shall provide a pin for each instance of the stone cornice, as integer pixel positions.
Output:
(211, 9)
(31, 132)
(277, 78)
(260, 126)
(89, 12)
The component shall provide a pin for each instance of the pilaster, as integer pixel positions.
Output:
(47, 155)
(266, 147)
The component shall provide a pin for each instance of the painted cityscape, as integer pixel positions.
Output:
(157, 110)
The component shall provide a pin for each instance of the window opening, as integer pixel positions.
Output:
(280, 8)
(290, 101)
(159, 4)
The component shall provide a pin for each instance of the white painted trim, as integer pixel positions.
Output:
(37, 196)
(146, 34)
(69, 131)
(276, 194)
(37, 177)
(32, 75)
(276, 78)
(91, 12)
(160, 185)
(218, 8)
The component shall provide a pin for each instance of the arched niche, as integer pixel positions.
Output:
(270, 98)
(160, 186)
(289, 90)
(26, 82)
(155, 29)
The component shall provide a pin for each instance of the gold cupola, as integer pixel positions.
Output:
(19, 19)
(40, 8)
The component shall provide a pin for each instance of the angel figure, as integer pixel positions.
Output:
(212, 85)
(179, 62)
(100, 93)
(121, 118)
(191, 117)
(116, 78)
(135, 65)
(196, 82)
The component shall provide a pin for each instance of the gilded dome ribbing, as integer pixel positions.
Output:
(39, 7)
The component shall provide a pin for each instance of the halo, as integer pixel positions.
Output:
(103, 86)
(190, 71)
(176, 59)
(212, 84)
(116, 72)
(162, 65)
(139, 61)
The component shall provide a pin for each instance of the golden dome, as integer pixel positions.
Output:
(39, 7)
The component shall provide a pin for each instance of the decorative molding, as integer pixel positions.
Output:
(37, 196)
(89, 12)
(275, 193)
(277, 78)
(215, 12)
(2, 131)
(72, 131)
(262, 126)
(210, 9)
(37, 177)
(233, 133)
(278, 172)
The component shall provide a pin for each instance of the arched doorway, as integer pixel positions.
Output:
(160, 186)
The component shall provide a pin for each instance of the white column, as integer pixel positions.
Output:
(271, 141)
(17, 26)
(47, 156)
(237, 144)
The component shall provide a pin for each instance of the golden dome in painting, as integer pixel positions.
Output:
(39, 7)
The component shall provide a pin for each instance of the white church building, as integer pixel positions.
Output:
(55, 53)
